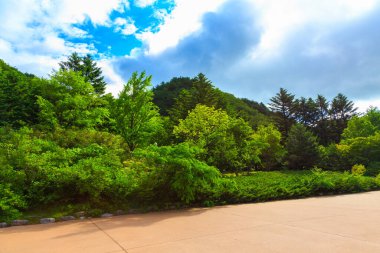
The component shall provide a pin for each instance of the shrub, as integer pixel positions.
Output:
(173, 173)
(358, 170)
(10, 203)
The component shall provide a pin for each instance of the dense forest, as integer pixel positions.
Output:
(67, 144)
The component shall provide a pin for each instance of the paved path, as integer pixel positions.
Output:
(347, 223)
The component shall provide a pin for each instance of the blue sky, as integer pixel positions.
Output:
(249, 48)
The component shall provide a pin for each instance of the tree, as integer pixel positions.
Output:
(341, 111)
(306, 112)
(272, 154)
(302, 148)
(283, 106)
(90, 71)
(67, 100)
(201, 92)
(364, 126)
(228, 143)
(137, 118)
(166, 93)
(18, 97)
(321, 128)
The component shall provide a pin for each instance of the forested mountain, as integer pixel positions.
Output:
(181, 94)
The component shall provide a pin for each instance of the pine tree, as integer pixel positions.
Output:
(302, 148)
(341, 110)
(90, 71)
(283, 106)
(201, 92)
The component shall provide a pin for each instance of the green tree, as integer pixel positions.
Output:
(228, 143)
(201, 92)
(341, 110)
(89, 69)
(359, 127)
(137, 117)
(273, 153)
(321, 128)
(166, 93)
(306, 112)
(283, 106)
(67, 100)
(302, 148)
(18, 97)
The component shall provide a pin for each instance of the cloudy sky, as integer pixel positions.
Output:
(249, 48)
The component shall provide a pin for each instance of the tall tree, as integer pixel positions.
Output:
(137, 117)
(227, 143)
(90, 71)
(18, 96)
(306, 111)
(67, 100)
(302, 148)
(364, 126)
(283, 106)
(341, 110)
(322, 127)
(166, 93)
(201, 92)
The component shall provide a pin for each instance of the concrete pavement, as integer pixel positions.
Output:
(346, 223)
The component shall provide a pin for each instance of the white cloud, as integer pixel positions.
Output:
(125, 26)
(144, 3)
(115, 82)
(279, 19)
(30, 30)
(364, 105)
(184, 20)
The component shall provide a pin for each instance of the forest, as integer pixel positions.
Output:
(67, 146)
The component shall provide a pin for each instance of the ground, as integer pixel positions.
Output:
(346, 223)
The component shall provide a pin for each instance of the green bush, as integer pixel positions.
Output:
(66, 166)
(263, 186)
(10, 203)
(173, 173)
(358, 170)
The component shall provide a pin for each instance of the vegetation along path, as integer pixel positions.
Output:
(346, 223)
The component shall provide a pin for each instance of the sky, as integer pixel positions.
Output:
(249, 48)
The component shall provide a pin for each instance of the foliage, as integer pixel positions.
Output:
(202, 92)
(358, 170)
(364, 126)
(67, 100)
(10, 203)
(273, 153)
(264, 186)
(166, 93)
(363, 150)
(17, 97)
(137, 118)
(283, 105)
(44, 171)
(302, 148)
(88, 69)
(63, 143)
(228, 143)
(174, 173)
